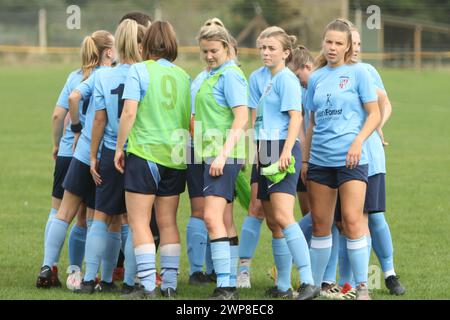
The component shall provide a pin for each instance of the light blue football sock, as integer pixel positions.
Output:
(130, 261)
(170, 262)
(51, 215)
(124, 229)
(146, 266)
(283, 262)
(369, 245)
(299, 251)
(320, 255)
(220, 252)
(330, 272)
(196, 238)
(250, 233)
(110, 255)
(96, 243)
(359, 259)
(306, 225)
(77, 244)
(234, 258)
(382, 241)
(209, 265)
(345, 269)
(55, 240)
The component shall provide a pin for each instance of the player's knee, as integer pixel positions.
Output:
(256, 209)
(354, 227)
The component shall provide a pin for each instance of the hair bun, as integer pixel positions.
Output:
(293, 40)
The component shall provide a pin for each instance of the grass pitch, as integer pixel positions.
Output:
(418, 162)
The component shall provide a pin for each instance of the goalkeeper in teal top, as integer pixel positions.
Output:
(221, 110)
(277, 125)
(155, 120)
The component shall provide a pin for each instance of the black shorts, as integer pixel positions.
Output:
(221, 186)
(376, 194)
(375, 200)
(61, 166)
(79, 181)
(194, 177)
(301, 187)
(110, 195)
(255, 174)
(333, 177)
(272, 150)
(146, 177)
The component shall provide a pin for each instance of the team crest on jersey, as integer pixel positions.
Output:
(343, 81)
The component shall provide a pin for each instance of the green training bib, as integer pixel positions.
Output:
(216, 120)
(160, 131)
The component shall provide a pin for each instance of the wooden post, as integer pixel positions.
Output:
(42, 29)
(344, 9)
(359, 20)
(158, 11)
(418, 47)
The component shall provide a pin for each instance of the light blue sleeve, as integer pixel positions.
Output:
(255, 93)
(195, 86)
(235, 88)
(310, 94)
(63, 99)
(99, 98)
(366, 87)
(290, 93)
(193, 95)
(376, 77)
(132, 90)
(87, 86)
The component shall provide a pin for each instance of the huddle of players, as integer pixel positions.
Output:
(136, 106)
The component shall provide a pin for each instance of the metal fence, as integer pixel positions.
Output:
(36, 35)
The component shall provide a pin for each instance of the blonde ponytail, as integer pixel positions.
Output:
(127, 41)
(89, 56)
(92, 49)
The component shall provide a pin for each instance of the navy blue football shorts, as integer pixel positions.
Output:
(146, 177)
(79, 181)
(61, 166)
(269, 152)
(110, 195)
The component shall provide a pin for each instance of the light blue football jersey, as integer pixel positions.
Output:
(258, 81)
(86, 89)
(66, 143)
(336, 96)
(375, 149)
(108, 92)
(306, 112)
(281, 94)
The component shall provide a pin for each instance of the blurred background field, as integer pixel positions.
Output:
(403, 33)
(418, 155)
